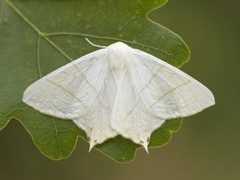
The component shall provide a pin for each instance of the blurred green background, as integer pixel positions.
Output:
(207, 146)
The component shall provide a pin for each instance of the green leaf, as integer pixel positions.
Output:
(37, 37)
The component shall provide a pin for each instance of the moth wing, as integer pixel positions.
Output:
(76, 91)
(167, 91)
(131, 117)
(151, 92)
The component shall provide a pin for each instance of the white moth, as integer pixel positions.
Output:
(118, 90)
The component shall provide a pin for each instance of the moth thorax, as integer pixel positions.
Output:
(119, 56)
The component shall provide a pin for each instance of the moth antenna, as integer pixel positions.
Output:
(95, 45)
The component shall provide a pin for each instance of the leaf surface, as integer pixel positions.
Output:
(37, 37)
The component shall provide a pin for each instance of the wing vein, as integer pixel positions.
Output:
(67, 91)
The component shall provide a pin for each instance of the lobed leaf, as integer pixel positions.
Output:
(37, 37)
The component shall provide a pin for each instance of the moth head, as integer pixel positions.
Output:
(119, 55)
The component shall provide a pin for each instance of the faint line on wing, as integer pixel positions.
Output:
(67, 91)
